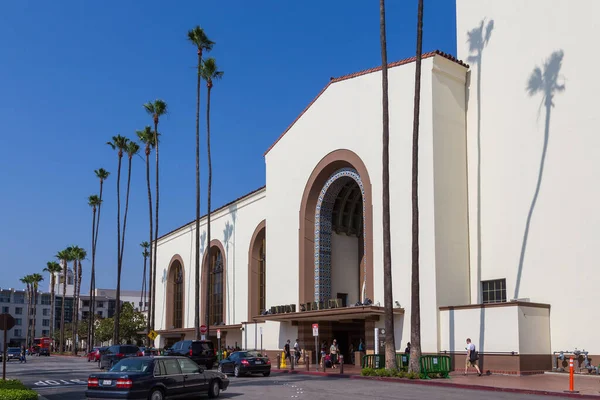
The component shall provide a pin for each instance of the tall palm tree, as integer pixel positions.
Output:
(390, 345)
(415, 296)
(78, 254)
(209, 73)
(199, 39)
(53, 268)
(146, 136)
(145, 254)
(64, 257)
(35, 283)
(73, 253)
(102, 175)
(27, 280)
(94, 202)
(157, 109)
(118, 143)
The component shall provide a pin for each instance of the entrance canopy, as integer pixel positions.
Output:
(212, 331)
(369, 313)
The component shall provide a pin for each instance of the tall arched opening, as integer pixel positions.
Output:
(214, 274)
(257, 270)
(336, 247)
(175, 293)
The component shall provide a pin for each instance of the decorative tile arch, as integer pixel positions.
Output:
(323, 230)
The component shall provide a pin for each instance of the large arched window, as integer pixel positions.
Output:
(216, 286)
(177, 296)
(262, 267)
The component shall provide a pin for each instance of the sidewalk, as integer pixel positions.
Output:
(554, 384)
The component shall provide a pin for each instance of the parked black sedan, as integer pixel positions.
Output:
(155, 378)
(245, 362)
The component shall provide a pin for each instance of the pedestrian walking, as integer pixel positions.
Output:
(472, 357)
(286, 351)
(297, 351)
(333, 352)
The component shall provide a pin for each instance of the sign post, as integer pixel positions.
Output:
(203, 330)
(261, 346)
(220, 353)
(315, 328)
(7, 322)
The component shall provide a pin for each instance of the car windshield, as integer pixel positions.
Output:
(132, 365)
(249, 354)
(13, 349)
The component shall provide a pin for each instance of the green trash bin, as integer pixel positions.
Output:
(402, 361)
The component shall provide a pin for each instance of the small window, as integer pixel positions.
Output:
(187, 366)
(5, 310)
(494, 291)
(18, 321)
(171, 366)
(19, 310)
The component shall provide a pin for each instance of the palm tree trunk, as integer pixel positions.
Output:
(151, 277)
(415, 302)
(75, 321)
(118, 297)
(197, 255)
(120, 263)
(93, 284)
(390, 345)
(155, 227)
(62, 309)
(28, 316)
(35, 298)
(92, 274)
(52, 323)
(208, 214)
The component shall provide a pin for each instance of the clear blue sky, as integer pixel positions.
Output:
(74, 73)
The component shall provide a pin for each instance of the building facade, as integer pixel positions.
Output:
(106, 302)
(15, 303)
(507, 146)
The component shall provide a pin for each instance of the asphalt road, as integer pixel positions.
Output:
(64, 378)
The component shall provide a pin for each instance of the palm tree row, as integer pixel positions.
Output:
(415, 330)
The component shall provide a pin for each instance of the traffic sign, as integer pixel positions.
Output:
(315, 329)
(6, 321)
(203, 329)
(218, 334)
(152, 335)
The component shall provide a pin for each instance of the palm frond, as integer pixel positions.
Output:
(199, 39)
(210, 71)
(94, 200)
(536, 82)
(146, 136)
(145, 245)
(149, 107)
(160, 107)
(132, 148)
(102, 173)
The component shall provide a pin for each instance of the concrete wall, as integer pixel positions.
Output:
(233, 227)
(534, 330)
(345, 268)
(545, 248)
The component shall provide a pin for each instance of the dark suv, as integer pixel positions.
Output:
(116, 353)
(202, 352)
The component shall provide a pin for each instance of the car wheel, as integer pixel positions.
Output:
(236, 371)
(156, 394)
(266, 373)
(214, 390)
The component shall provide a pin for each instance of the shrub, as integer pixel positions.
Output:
(18, 394)
(412, 375)
(368, 372)
(11, 384)
(400, 374)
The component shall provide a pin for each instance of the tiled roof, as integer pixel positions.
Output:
(215, 210)
(365, 72)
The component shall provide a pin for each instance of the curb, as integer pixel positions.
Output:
(452, 385)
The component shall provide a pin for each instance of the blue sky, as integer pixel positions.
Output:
(74, 73)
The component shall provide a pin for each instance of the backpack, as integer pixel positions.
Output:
(474, 356)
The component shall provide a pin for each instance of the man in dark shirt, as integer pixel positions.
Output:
(286, 351)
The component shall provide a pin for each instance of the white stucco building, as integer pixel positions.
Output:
(508, 219)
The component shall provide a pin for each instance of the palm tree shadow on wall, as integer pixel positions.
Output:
(544, 80)
(478, 38)
(229, 236)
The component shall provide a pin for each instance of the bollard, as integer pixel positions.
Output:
(341, 363)
(292, 359)
(571, 377)
(278, 361)
(307, 362)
